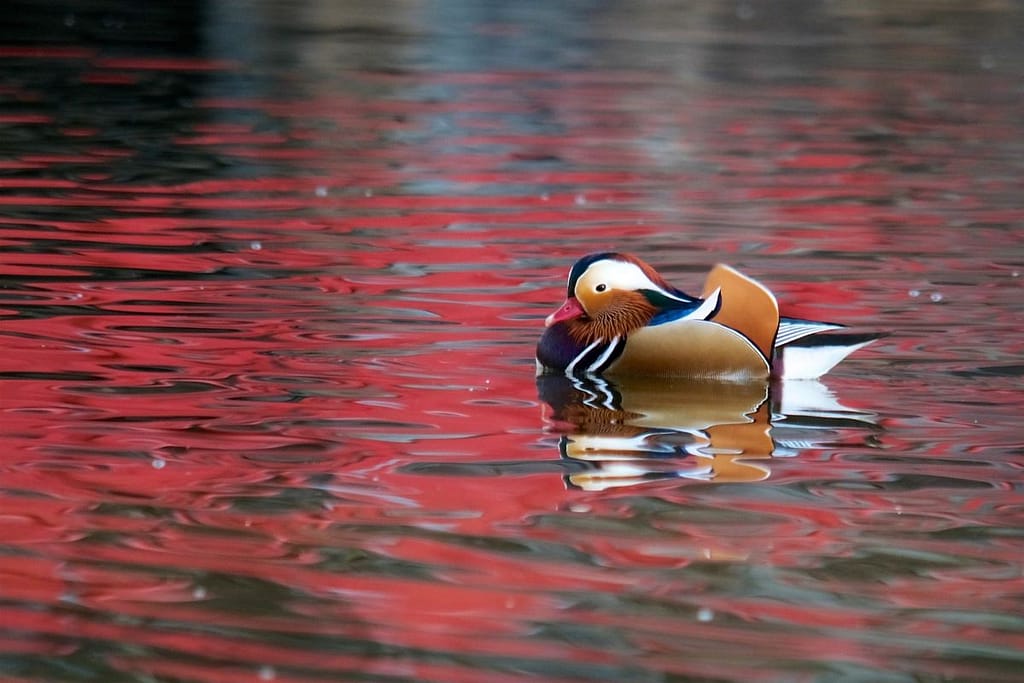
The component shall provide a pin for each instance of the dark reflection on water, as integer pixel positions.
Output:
(270, 279)
(633, 430)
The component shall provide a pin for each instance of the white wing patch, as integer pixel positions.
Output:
(705, 310)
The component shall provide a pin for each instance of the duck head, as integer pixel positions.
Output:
(612, 294)
(609, 296)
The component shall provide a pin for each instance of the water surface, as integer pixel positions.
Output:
(270, 279)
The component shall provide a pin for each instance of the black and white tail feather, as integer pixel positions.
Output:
(800, 353)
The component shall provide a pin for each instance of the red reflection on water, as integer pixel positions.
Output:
(219, 387)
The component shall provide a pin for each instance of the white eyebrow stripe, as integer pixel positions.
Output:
(628, 276)
(622, 274)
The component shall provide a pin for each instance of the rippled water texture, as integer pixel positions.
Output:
(271, 274)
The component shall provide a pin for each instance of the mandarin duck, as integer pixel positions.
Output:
(621, 317)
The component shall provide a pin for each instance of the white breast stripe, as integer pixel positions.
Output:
(596, 365)
(572, 366)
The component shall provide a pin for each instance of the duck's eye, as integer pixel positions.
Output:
(601, 287)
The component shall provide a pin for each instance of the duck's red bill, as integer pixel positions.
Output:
(570, 309)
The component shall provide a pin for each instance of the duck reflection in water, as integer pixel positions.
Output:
(633, 430)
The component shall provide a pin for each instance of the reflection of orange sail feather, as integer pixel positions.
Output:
(735, 444)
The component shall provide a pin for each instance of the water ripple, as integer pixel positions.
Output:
(270, 287)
